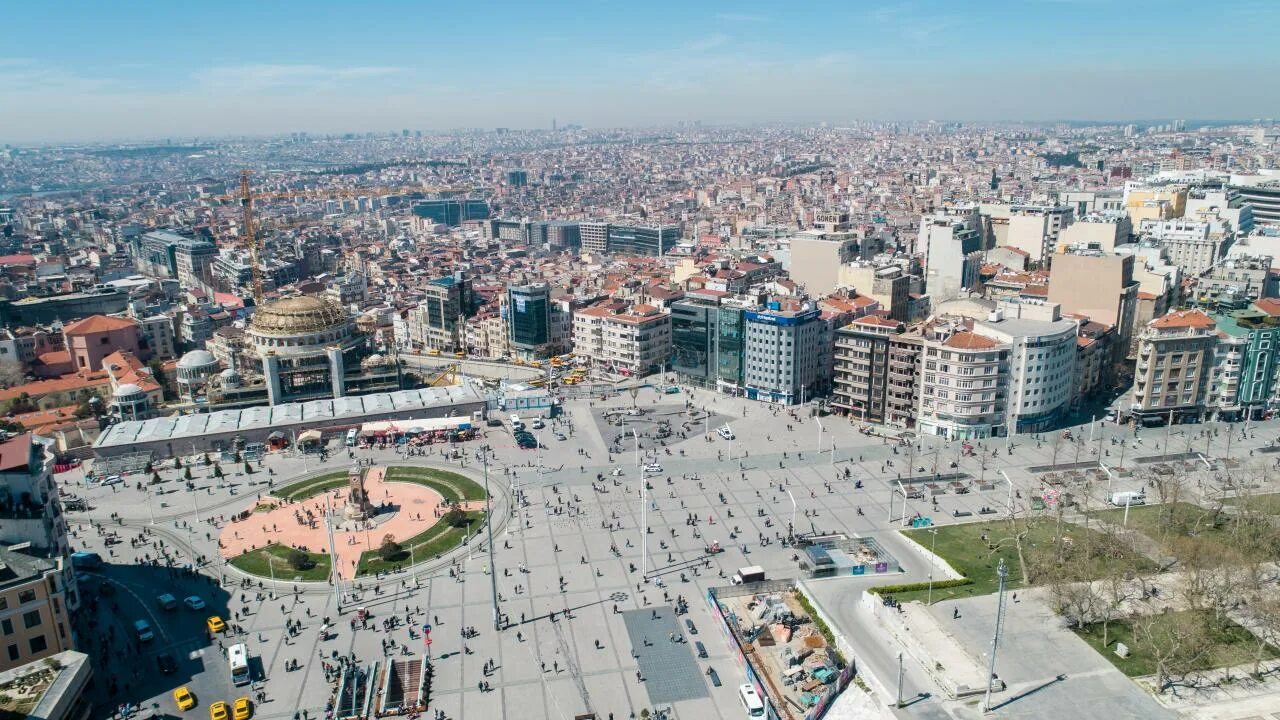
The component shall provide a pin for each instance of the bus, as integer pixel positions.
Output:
(751, 701)
(352, 434)
(238, 657)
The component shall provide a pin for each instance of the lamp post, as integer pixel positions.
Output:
(791, 525)
(488, 520)
(820, 431)
(636, 438)
(932, 563)
(1110, 477)
(1005, 475)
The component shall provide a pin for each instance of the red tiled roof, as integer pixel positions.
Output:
(97, 324)
(1186, 318)
(15, 453)
(1270, 306)
(969, 341)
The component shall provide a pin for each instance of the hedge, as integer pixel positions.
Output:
(912, 587)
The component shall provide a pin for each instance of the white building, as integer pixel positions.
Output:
(1035, 229)
(1193, 245)
(964, 384)
(951, 239)
(1042, 357)
(787, 353)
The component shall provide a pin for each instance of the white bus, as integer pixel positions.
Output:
(238, 657)
(751, 701)
(352, 434)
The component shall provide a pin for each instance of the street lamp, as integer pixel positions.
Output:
(488, 519)
(933, 563)
(820, 431)
(1110, 477)
(791, 525)
(1005, 475)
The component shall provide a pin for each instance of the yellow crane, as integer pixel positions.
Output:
(247, 196)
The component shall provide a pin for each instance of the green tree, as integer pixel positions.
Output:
(186, 473)
(299, 560)
(455, 517)
(389, 549)
(248, 469)
(22, 404)
(155, 478)
(217, 471)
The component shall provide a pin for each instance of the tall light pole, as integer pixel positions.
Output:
(334, 569)
(644, 528)
(1005, 475)
(932, 563)
(488, 520)
(1110, 477)
(636, 438)
(1002, 573)
(820, 431)
(899, 699)
(730, 439)
(791, 525)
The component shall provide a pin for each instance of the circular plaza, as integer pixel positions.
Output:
(365, 520)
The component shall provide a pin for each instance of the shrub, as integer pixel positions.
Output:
(299, 560)
(390, 549)
(912, 587)
(455, 517)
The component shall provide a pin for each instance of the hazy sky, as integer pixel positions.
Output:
(121, 69)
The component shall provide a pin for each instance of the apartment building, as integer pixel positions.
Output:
(1254, 336)
(1236, 279)
(632, 342)
(1193, 245)
(1176, 358)
(1099, 286)
(952, 240)
(1041, 367)
(439, 321)
(860, 379)
(37, 596)
(1035, 229)
(964, 384)
(1097, 231)
(817, 257)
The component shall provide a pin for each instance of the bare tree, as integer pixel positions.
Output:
(11, 373)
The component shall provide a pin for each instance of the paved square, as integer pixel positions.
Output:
(669, 670)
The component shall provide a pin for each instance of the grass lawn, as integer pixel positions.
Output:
(1231, 644)
(1265, 503)
(433, 542)
(304, 489)
(964, 549)
(452, 486)
(255, 563)
(1174, 525)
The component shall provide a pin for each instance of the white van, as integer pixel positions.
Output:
(1128, 497)
(751, 701)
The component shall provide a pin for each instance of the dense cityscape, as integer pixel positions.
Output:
(480, 423)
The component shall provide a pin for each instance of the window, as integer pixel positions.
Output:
(39, 644)
(26, 596)
(13, 652)
(31, 619)
(6, 626)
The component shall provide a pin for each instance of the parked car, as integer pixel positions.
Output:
(167, 664)
(183, 698)
(653, 468)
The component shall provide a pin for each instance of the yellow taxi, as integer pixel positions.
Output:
(242, 710)
(215, 624)
(460, 354)
(218, 711)
(535, 363)
(433, 352)
(184, 699)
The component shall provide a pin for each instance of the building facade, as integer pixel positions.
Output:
(632, 342)
(787, 354)
(860, 380)
(964, 384)
(1176, 357)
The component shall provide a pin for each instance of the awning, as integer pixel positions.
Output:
(309, 436)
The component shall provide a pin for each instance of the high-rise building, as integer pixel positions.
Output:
(1193, 245)
(517, 178)
(1035, 229)
(1263, 193)
(563, 235)
(860, 380)
(442, 313)
(788, 353)
(951, 239)
(528, 314)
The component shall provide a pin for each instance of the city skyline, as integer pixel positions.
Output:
(127, 71)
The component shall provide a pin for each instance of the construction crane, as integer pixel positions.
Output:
(247, 196)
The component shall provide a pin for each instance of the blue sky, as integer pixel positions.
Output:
(103, 70)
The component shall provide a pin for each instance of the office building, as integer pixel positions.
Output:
(788, 353)
(167, 254)
(594, 237)
(439, 321)
(537, 324)
(631, 342)
(1176, 355)
(951, 239)
(452, 212)
(517, 178)
(640, 240)
(563, 235)
(707, 340)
